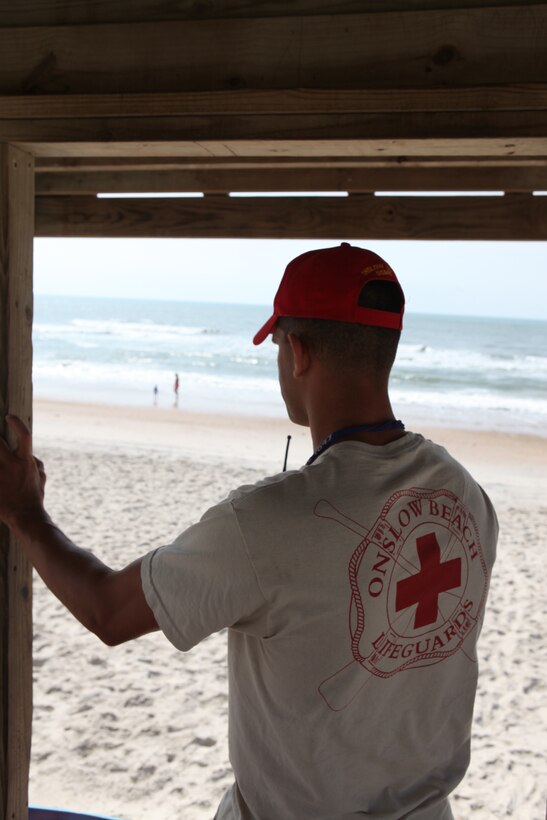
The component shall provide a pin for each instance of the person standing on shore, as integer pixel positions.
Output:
(176, 386)
(353, 589)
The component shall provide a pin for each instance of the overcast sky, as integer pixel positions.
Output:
(467, 278)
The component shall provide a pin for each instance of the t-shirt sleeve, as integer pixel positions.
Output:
(204, 581)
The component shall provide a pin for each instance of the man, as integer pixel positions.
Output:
(353, 589)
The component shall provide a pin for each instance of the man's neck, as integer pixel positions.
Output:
(338, 412)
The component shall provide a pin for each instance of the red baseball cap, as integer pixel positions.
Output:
(328, 283)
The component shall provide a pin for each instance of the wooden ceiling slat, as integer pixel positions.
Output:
(78, 12)
(88, 164)
(485, 178)
(410, 125)
(518, 97)
(447, 47)
(464, 148)
(358, 217)
(391, 128)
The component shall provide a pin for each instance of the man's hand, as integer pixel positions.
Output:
(22, 478)
(109, 603)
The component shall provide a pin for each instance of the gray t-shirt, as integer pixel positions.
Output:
(354, 590)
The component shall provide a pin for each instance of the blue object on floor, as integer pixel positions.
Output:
(41, 813)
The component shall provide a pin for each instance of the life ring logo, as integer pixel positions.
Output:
(418, 583)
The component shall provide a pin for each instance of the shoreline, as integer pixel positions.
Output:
(496, 459)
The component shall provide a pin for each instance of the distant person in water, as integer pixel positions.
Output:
(155, 394)
(176, 390)
(353, 589)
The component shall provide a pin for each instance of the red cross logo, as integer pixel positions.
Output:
(433, 578)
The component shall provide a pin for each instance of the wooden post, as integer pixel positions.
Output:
(16, 237)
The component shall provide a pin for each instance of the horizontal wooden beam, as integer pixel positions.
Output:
(425, 127)
(449, 47)
(482, 112)
(359, 216)
(107, 162)
(321, 146)
(485, 178)
(510, 97)
(78, 12)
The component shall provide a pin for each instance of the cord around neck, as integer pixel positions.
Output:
(344, 432)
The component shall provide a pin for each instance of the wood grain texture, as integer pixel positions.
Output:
(414, 49)
(417, 126)
(357, 216)
(107, 162)
(263, 150)
(510, 97)
(485, 178)
(16, 236)
(425, 126)
(78, 12)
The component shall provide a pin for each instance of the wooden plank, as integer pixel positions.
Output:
(77, 12)
(92, 164)
(425, 126)
(16, 236)
(441, 48)
(485, 178)
(510, 97)
(270, 149)
(357, 216)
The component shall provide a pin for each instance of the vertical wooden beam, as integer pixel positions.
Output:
(16, 238)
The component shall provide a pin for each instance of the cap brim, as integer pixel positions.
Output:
(265, 330)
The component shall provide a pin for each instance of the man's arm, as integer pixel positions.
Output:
(107, 602)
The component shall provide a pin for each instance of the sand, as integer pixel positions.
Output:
(139, 731)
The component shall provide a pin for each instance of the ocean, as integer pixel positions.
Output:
(477, 373)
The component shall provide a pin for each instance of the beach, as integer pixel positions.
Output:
(140, 731)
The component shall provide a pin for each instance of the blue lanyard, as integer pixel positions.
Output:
(392, 424)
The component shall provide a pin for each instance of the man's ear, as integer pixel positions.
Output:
(300, 354)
